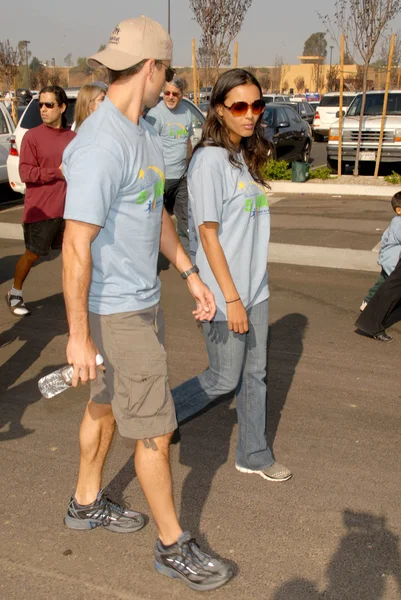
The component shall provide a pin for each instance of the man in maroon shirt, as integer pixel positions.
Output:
(40, 168)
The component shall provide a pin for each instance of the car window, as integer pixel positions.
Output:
(197, 119)
(309, 110)
(268, 99)
(302, 108)
(292, 116)
(32, 117)
(282, 115)
(268, 116)
(3, 124)
(334, 101)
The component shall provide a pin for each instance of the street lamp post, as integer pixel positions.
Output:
(28, 83)
(331, 55)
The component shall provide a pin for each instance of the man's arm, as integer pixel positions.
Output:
(29, 169)
(172, 249)
(77, 267)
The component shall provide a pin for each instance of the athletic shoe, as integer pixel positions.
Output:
(103, 512)
(275, 472)
(363, 305)
(185, 560)
(17, 306)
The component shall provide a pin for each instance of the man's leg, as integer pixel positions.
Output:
(152, 465)
(372, 320)
(181, 213)
(23, 266)
(95, 437)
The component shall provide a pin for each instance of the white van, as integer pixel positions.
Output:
(326, 112)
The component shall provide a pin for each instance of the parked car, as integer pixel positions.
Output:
(391, 149)
(24, 96)
(205, 93)
(274, 98)
(305, 111)
(325, 114)
(314, 104)
(288, 134)
(31, 118)
(204, 107)
(6, 130)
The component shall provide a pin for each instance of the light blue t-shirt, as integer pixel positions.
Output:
(115, 175)
(222, 194)
(174, 128)
(390, 249)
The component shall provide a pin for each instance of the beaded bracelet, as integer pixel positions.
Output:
(231, 301)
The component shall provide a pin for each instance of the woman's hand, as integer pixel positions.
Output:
(237, 317)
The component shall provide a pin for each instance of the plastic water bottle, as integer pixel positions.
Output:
(60, 380)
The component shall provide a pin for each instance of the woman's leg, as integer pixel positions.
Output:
(226, 352)
(253, 451)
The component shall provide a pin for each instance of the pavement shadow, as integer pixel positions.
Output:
(49, 321)
(284, 350)
(367, 554)
(8, 263)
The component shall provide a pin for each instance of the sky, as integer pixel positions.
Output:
(270, 28)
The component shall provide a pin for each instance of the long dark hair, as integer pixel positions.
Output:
(254, 148)
(61, 98)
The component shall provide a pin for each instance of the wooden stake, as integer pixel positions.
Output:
(236, 55)
(14, 103)
(340, 121)
(194, 71)
(388, 78)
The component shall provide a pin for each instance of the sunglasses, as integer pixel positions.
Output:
(169, 75)
(47, 104)
(174, 94)
(239, 109)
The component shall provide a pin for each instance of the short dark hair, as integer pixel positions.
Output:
(396, 200)
(61, 98)
(118, 75)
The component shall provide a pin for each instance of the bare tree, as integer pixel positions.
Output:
(317, 75)
(220, 22)
(278, 73)
(68, 60)
(265, 81)
(204, 62)
(8, 63)
(332, 77)
(363, 23)
(299, 83)
(55, 76)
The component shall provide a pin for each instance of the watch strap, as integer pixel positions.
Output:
(186, 274)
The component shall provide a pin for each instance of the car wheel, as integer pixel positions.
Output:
(318, 137)
(306, 153)
(333, 164)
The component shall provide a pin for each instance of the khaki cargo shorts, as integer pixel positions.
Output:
(135, 382)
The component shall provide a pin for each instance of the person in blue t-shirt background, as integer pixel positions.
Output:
(173, 122)
(390, 250)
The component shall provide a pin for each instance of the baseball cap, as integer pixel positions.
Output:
(132, 41)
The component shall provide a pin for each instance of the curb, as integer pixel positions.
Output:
(322, 256)
(376, 191)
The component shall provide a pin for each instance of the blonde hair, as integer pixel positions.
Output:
(87, 95)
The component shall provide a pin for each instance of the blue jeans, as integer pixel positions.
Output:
(236, 363)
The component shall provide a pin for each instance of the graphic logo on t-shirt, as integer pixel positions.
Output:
(256, 202)
(151, 180)
(177, 130)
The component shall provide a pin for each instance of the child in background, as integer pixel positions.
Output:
(390, 250)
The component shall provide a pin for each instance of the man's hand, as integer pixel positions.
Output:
(81, 353)
(205, 302)
(61, 169)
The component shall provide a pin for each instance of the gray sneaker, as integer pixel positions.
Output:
(103, 513)
(275, 472)
(185, 560)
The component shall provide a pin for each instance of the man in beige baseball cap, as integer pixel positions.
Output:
(115, 226)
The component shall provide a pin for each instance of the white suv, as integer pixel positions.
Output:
(326, 113)
(31, 118)
(391, 149)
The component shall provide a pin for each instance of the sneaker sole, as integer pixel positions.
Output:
(87, 525)
(194, 586)
(250, 472)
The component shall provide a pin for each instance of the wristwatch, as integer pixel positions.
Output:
(186, 274)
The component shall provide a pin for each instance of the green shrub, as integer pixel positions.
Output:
(394, 178)
(277, 169)
(320, 173)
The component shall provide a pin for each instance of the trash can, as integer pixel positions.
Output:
(300, 171)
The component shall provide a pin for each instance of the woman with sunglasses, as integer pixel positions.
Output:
(229, 231)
